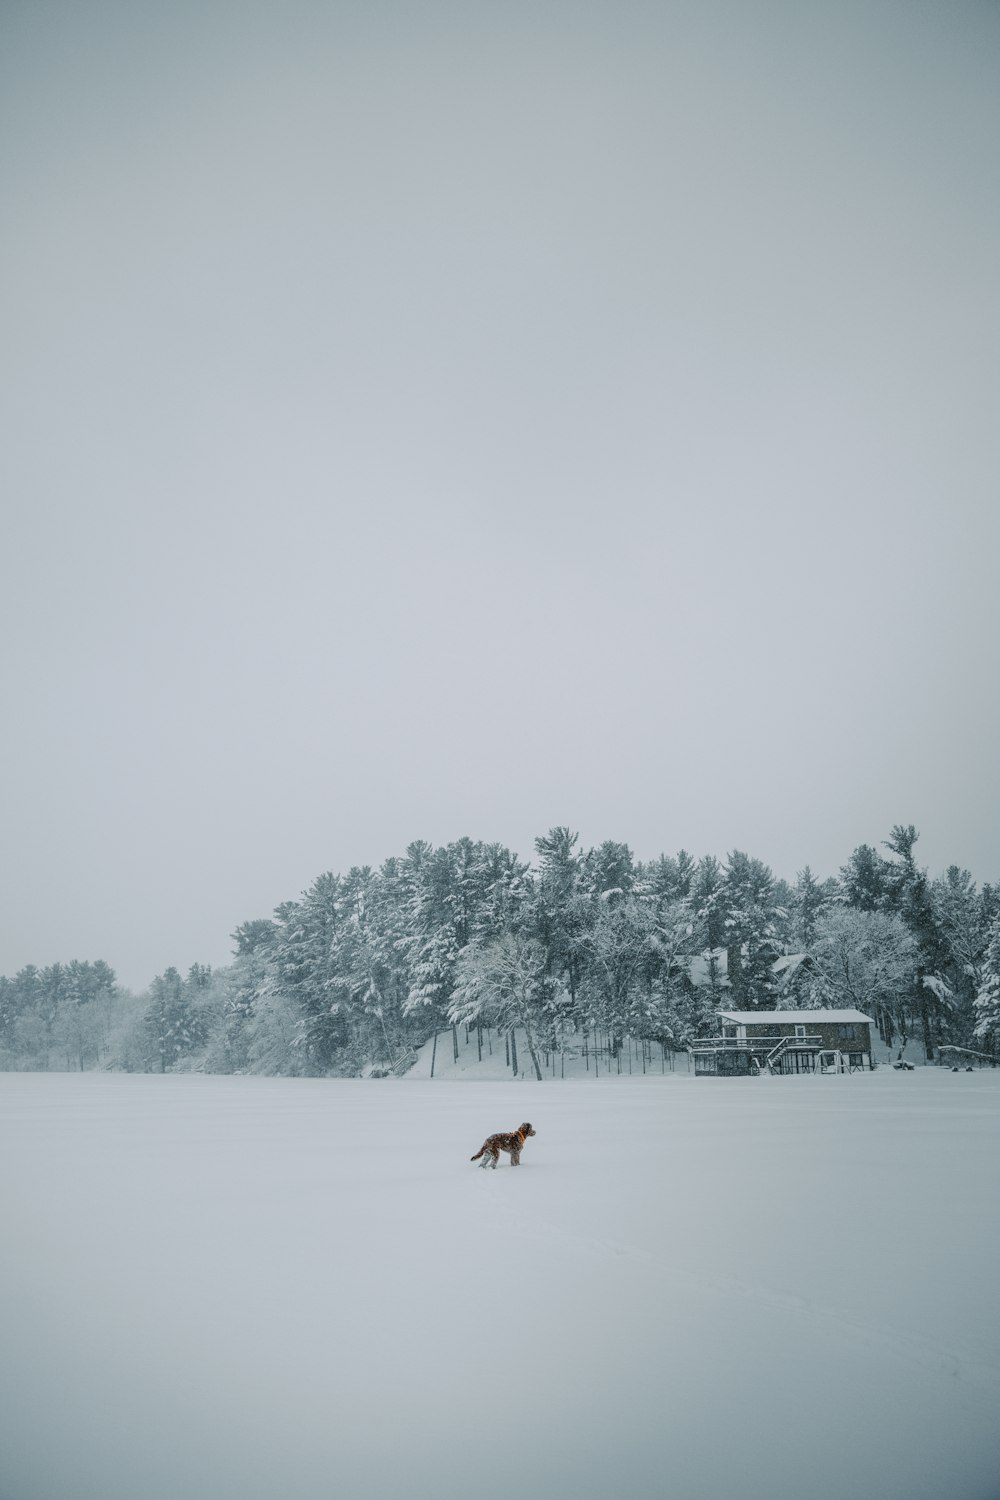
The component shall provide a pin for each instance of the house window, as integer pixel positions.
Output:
(800, 1031)
(847, 1033)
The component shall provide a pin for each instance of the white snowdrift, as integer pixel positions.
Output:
(219, 1287)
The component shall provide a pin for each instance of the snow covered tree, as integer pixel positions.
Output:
(671, 1013)
(23, 1028)
(52, 994)
(82, 1024)
(277, 1042)
(173, 1026)
(608, 870)
(783, 899)
(963, 920)
(988, 993)
(907, 892)
(707, 901)
(934, 995)
(503, 981)
(372, 978)
(750, 923)
(441, 916)
(669, 878)
(560, 919)
(307, 969)
(8, 1019)
(810, 898)
(866, 961)
(863, 879)
(435, 936)
(502, 892)
(249, 978)
(619, 946)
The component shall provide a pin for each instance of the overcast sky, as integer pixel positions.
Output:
(436, 419)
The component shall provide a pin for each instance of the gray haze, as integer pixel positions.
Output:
(422, 420)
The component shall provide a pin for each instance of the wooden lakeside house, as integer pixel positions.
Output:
(786, 1041)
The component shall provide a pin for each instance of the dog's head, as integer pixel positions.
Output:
(526, 1129)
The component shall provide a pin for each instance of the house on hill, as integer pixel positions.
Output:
(793, 975)
(786, 1041)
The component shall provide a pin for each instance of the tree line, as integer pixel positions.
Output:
(582, 947)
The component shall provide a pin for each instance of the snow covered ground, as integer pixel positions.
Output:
(245, 1287)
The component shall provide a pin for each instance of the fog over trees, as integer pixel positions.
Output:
(583, 948)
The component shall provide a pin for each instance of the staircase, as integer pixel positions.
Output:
(790, 1044)
(778, 1052)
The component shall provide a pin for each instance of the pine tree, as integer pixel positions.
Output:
(863, 879)
(243, 987)
(962, 918)
(438, 925)
(609, 870)
(810, 899)
(988, 993)
(707, 900)
(170, 1020)
(752, 943)
(307, 971)
(907, 892)
(561, 916)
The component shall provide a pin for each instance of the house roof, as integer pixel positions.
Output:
(789, 961)
(699, 967)
(786, 1017)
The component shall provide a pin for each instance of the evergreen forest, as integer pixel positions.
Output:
(580, 948)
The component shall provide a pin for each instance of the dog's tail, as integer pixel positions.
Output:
(478, 1154)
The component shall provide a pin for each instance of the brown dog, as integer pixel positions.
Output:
(512, 1141)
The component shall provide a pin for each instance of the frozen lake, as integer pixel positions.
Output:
(239, 1288)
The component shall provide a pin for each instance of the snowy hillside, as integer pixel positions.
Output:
(266, 1289)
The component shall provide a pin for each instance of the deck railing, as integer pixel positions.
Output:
(759, 1044)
